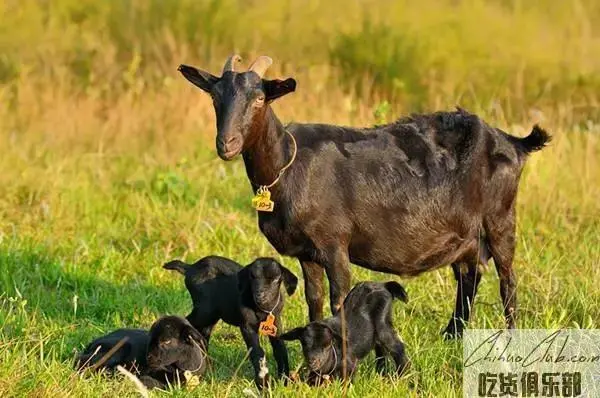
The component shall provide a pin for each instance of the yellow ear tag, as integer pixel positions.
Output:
(191, 379)
(268, 328)
(262, 200)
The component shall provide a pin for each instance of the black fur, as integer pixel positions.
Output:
(131, 353)
(174, 347)
(244, 299)
(403, 198)
(202, 270)
(397, 291)
(334, 346)
(145, 353)
(535, 141)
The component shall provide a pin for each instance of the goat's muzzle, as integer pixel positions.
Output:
(230, 147)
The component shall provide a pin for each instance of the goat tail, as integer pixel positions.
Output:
(536, 140)
(396, 290)
(177, 265)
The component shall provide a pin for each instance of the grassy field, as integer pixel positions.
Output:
(108, 166)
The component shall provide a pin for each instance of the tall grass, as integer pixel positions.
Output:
(108, 166)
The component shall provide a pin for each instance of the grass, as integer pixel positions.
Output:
(512, 55)
(109, 169)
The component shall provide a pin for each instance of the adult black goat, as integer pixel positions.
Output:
(403, 198)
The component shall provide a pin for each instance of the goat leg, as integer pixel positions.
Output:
(467, 281)
(257, 356)
(501, 237)
(281, 356)
(313, 288)
(340, 278)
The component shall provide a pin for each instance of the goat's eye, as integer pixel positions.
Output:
(165, 342)
(260, 99)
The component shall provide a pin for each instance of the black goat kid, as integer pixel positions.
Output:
(333, 347)
(249, 299)
(172, 351)
(403, 198)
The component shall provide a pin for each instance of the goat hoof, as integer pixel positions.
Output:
(452, 332)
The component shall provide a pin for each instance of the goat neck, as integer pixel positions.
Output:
(268, 151)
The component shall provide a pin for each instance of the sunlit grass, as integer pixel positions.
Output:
(509, 57)
(92, 211)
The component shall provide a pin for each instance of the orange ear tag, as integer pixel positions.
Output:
(262, 200)
(268, 328)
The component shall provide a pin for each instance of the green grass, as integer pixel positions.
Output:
(83, 237)
(108, 166)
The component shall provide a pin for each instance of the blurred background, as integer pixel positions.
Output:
(509, 57)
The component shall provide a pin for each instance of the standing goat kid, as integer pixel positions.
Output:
(249, 298)
(332, 347)
(403, 198)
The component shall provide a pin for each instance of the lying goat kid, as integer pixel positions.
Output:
(172, 351)
(366, 323)
(250, 299)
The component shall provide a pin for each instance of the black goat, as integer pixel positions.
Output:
(125, 347)
(249, 299)
(172, 351)
(333, 347)
(403, 198)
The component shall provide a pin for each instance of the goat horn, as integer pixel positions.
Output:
(261, 65)
(230, 63)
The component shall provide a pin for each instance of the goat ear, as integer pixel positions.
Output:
(176, 265)
(278, 88)
(190, 335)
(289, 280)
(294, 334)
(328, 332)
(204, 80)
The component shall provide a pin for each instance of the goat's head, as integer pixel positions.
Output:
(240, 100)
(318, 346)
(175, 343)
(263, 278)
